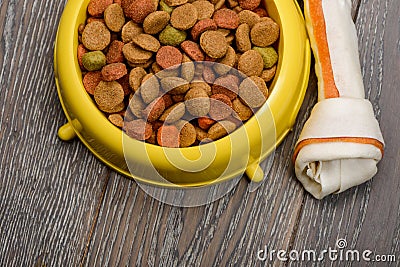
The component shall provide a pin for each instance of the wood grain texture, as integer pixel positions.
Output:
(49, 190)
(366, 216)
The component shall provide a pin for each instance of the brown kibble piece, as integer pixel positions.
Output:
(249, 17)
(227, 85)
(205, 9)
(135, 77)
(201, 135)
(91, 80)
(202, 85)
(184, 17)
(96, 7)
(268, 74)
(114, 17)
(155, 22)
(130, 30)
(187, 133)
(109, 95)
(167, 100)
(178, 98)
(116, 119)
(193, 50)
(114, 71)
(220, 107)
(264, 33)
(136, 105)
(208, 75)
(146, 42)
(249, 4)
(221, 129)
(202, 26)
(205, 122)
(173, 113)
(253, 91)
(150, 88)
(138, 129)
(214, 44)
(138, 10)
(168, 136)
(175, 85)
(251, 63)
(96, 36)
(175, 2)
(227, 62)
(124, 82)
(154, 110)
(135, 54)
(197, 102)
(168, 56)
(226, 18)
(261, 12)
(114, 53)
(241, 111)
(243, 42)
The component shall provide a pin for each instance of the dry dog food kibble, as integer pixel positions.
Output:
(178, 73)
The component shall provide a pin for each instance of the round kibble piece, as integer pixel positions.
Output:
(214, 44)
(136, 105)
(168, 136)
(251, 63)
(94, 60)
(147, 42)
(138, 10)
(264, 33)
(226, 18)
(268, 74)
(249, 4)
(202, 85)
(197, 102)
(150, 88)
(187, 135)
(221, 129)
(269, 55)
(227, 85)
(118, 108)
(221, 107)
(116, 119)
(201, 135)
(156, 22)
(154, 110)
(193, 50)
(91, 80)
(249, 17)
(108, 95)
(187, 68)
(226, 63)
(205, 9)
(135, 77)
(243, 42)
(96, 36)
(114, 17)
(175, 2)
(130, 30)
(184, 17)
(205, 122)
(253, 91)
(96, 7)
(202, 26)
(173, 113)
(135, 54)
(114, 53)
(114, 71)
(175, 85)
(168, 56)
(241, 111)
(138, 129)
(171, 36)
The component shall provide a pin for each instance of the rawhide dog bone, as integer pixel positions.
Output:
(341, 143)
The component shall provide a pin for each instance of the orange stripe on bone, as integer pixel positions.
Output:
(359, 140)
(319, 30)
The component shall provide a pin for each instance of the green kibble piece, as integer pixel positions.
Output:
(165, 7)
(268, 54)
(172, 36)
(94, 60)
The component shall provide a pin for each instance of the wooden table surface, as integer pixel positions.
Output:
(60, 206)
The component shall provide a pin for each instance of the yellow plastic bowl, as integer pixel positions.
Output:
(237, 153)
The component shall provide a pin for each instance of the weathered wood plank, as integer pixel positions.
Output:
(49, 190)
(367, 216)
